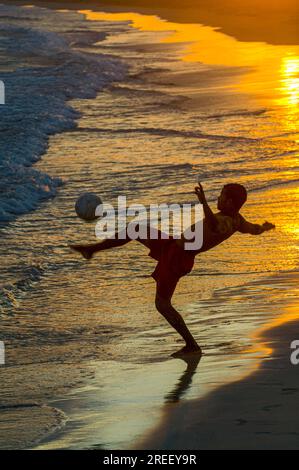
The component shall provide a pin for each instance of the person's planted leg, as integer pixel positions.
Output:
(164, 306)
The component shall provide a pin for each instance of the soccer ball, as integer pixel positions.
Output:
(86, 205)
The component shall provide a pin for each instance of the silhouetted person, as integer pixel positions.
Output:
(174, 261)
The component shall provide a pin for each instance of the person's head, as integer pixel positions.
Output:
(232, 198)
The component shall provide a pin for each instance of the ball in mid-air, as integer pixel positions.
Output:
(86, 205)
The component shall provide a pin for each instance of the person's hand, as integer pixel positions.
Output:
(200, 193)
(267, 226)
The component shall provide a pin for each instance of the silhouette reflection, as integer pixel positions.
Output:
(185, 380)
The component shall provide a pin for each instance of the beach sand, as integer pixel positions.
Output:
(252, 405)
(242, 393)
(257, 412)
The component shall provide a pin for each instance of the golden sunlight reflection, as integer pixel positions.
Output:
(292, 228)
(289, 71)
(270, 71)
(260, 336)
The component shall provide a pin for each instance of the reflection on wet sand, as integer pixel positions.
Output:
(104, 311)
(185, 381)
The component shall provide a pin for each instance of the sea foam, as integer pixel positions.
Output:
(42, 70)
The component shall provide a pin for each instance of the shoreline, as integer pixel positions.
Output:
(263, 385)
(254, 412)
(176, 418)
(254, 22)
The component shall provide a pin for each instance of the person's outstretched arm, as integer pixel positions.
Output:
(254, 229)
(209, 216)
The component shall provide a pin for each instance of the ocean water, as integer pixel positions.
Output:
(134, 106)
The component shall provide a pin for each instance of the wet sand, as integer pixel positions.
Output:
(258, 412)
(264, 411)
(252, 405)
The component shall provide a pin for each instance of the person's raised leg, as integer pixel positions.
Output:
(164, 306)
(88, 250)
(151, 237)
(120, 239)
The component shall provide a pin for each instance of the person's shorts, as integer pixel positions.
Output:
(173, 263)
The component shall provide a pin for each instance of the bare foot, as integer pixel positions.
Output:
(83, 249)
(188, 350)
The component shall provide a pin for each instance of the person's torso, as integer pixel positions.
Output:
(227, 226)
